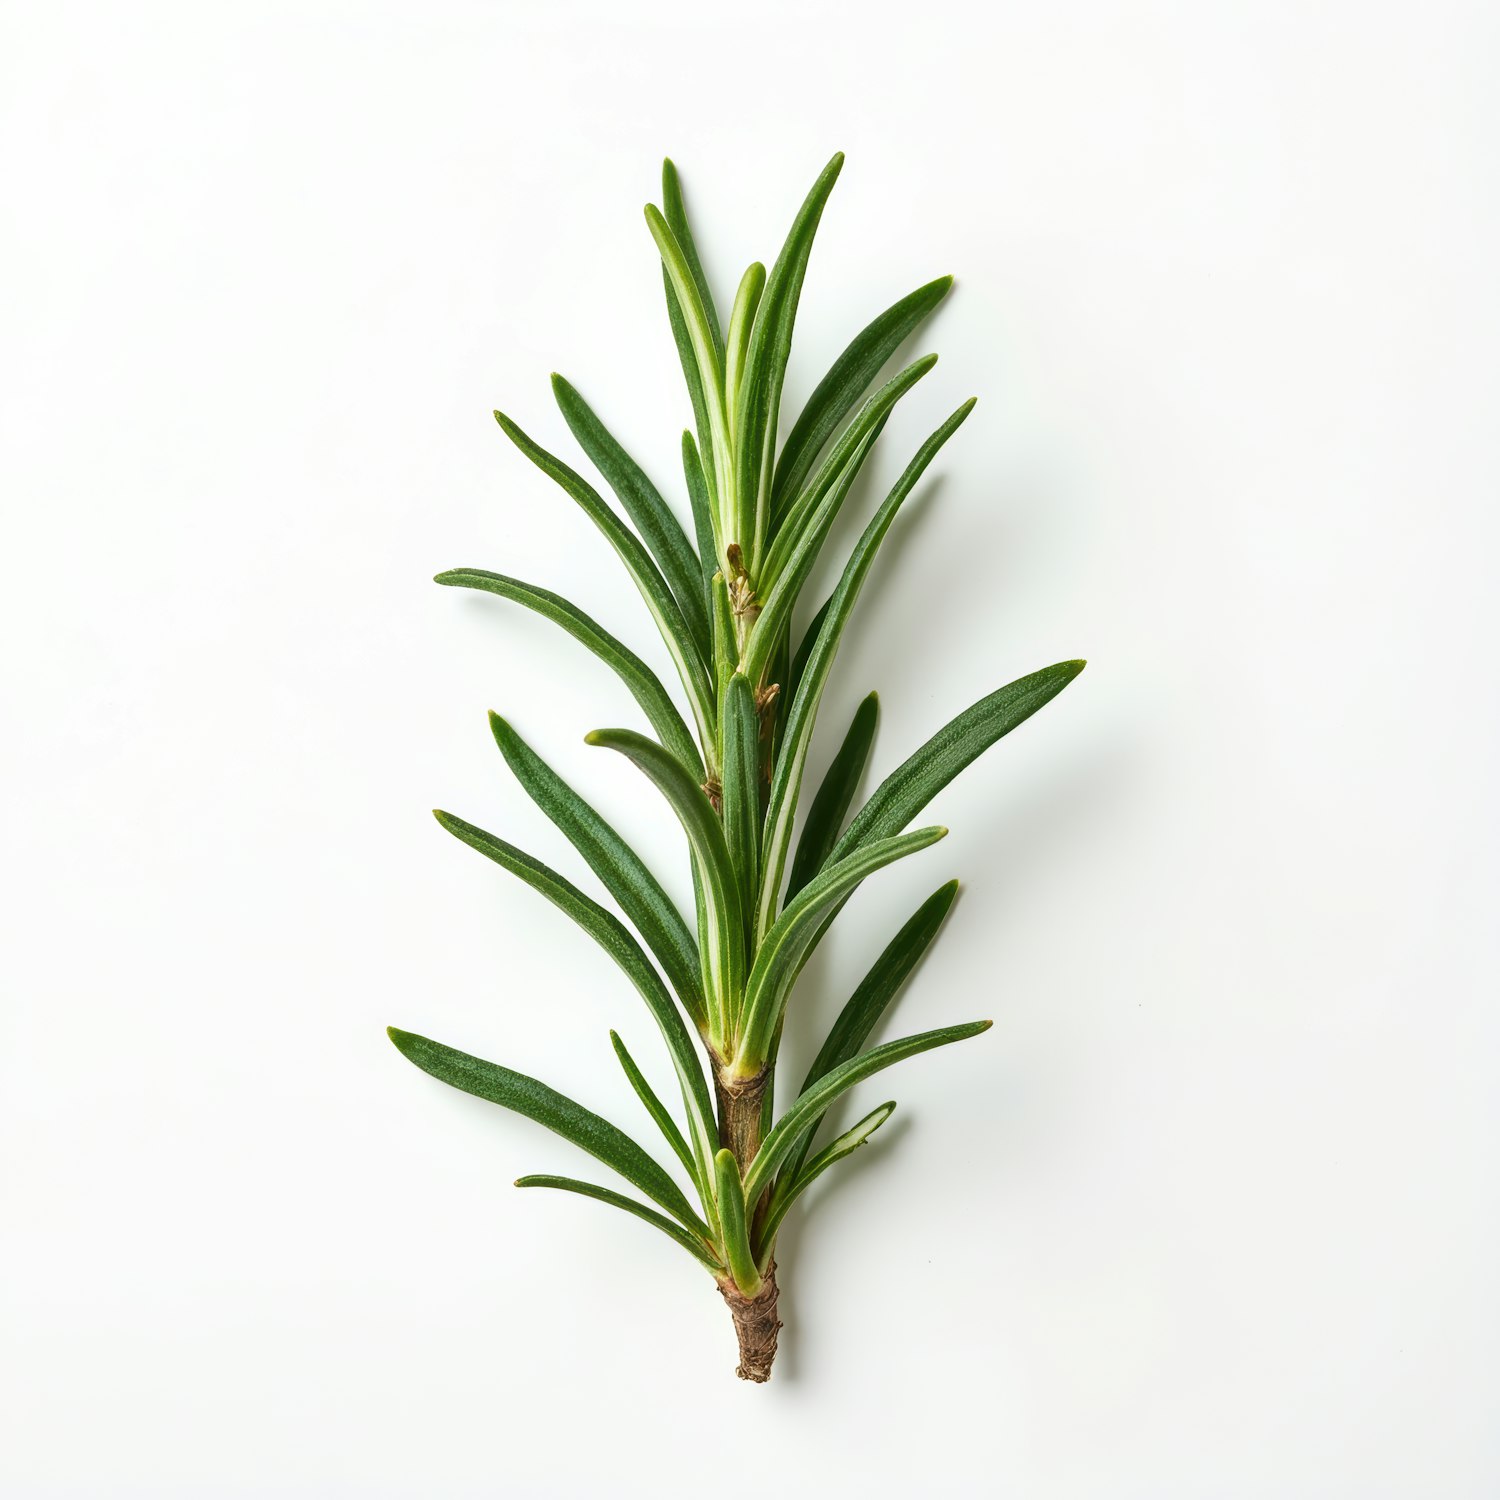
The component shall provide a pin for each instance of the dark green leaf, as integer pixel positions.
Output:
(786, 781)
(732, 1216)
(675, 212)
(834, 797)
(610, 933)
(739, 736)
(790, 524)
(783, 949)
(654, 1107)
(852, 374)
(691, 667)
(798, 1182)
(870, 999)
(695, 1247)
(624, 874)
(645, 686)
(725, 955)
(759, 398)
(815, 1101)
(526, 1096)
(659, 528)
(914, 783)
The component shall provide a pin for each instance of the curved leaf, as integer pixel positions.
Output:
(564, 1116)
(851, 375)
(695, 1247)
(835, 795)
(815, 1101)
(869, 1001)
(786, 782)
(706, 351)
(919, 778)
(759, 396)
(783, 586)
(851, 1140)
(691, 667)
(724, 958)
(655, 1108)
(703, 515)
(645, 686)
(739, 734)
(802, 509)
(733, 1217)
(659, 528)
(741, 322)
(784, 947)
(675, 212)
(621, 869)
(610, 933)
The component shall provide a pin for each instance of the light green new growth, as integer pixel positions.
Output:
(726, 600)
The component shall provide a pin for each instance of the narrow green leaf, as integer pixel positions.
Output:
(726, 642)
(610, 933)
(733, 1217)
(691, 667)
(741, 322)
(784, 947)
(739, 736)
(815, 1101)
(706, 350)
(852, 374)
(724, 955)
(655, 1108)
(693, 380)
(792, 757)
(660, 530)
(695, 1247)
(790, 524)
(675, 212)
(870, 1000)
(621, 869)
(645, 686)
(783, 585)
(759, 395)
(529, 1097)
(851, 1140)
(835, 795)
(703, 515)
(914, 783)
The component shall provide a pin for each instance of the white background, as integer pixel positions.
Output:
(1212, 1211)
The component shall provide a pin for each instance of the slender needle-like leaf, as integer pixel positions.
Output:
(656, 1109)
(870, 1000)
(695, 1246)
(621, 869)
(815, 1101)
(529, 1097)
(610, 933)
(851, 376)
(851, 1140)
(691, 666)
(645, 686)
(759, 392)
(786, 945)
(786, 783)
(732, 1215)
(835, 796)
(919, 778)
(724, 961)
(660, 530)
(740, 769)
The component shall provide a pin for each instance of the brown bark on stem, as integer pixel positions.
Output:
(755, 1321)
(756, 1325)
